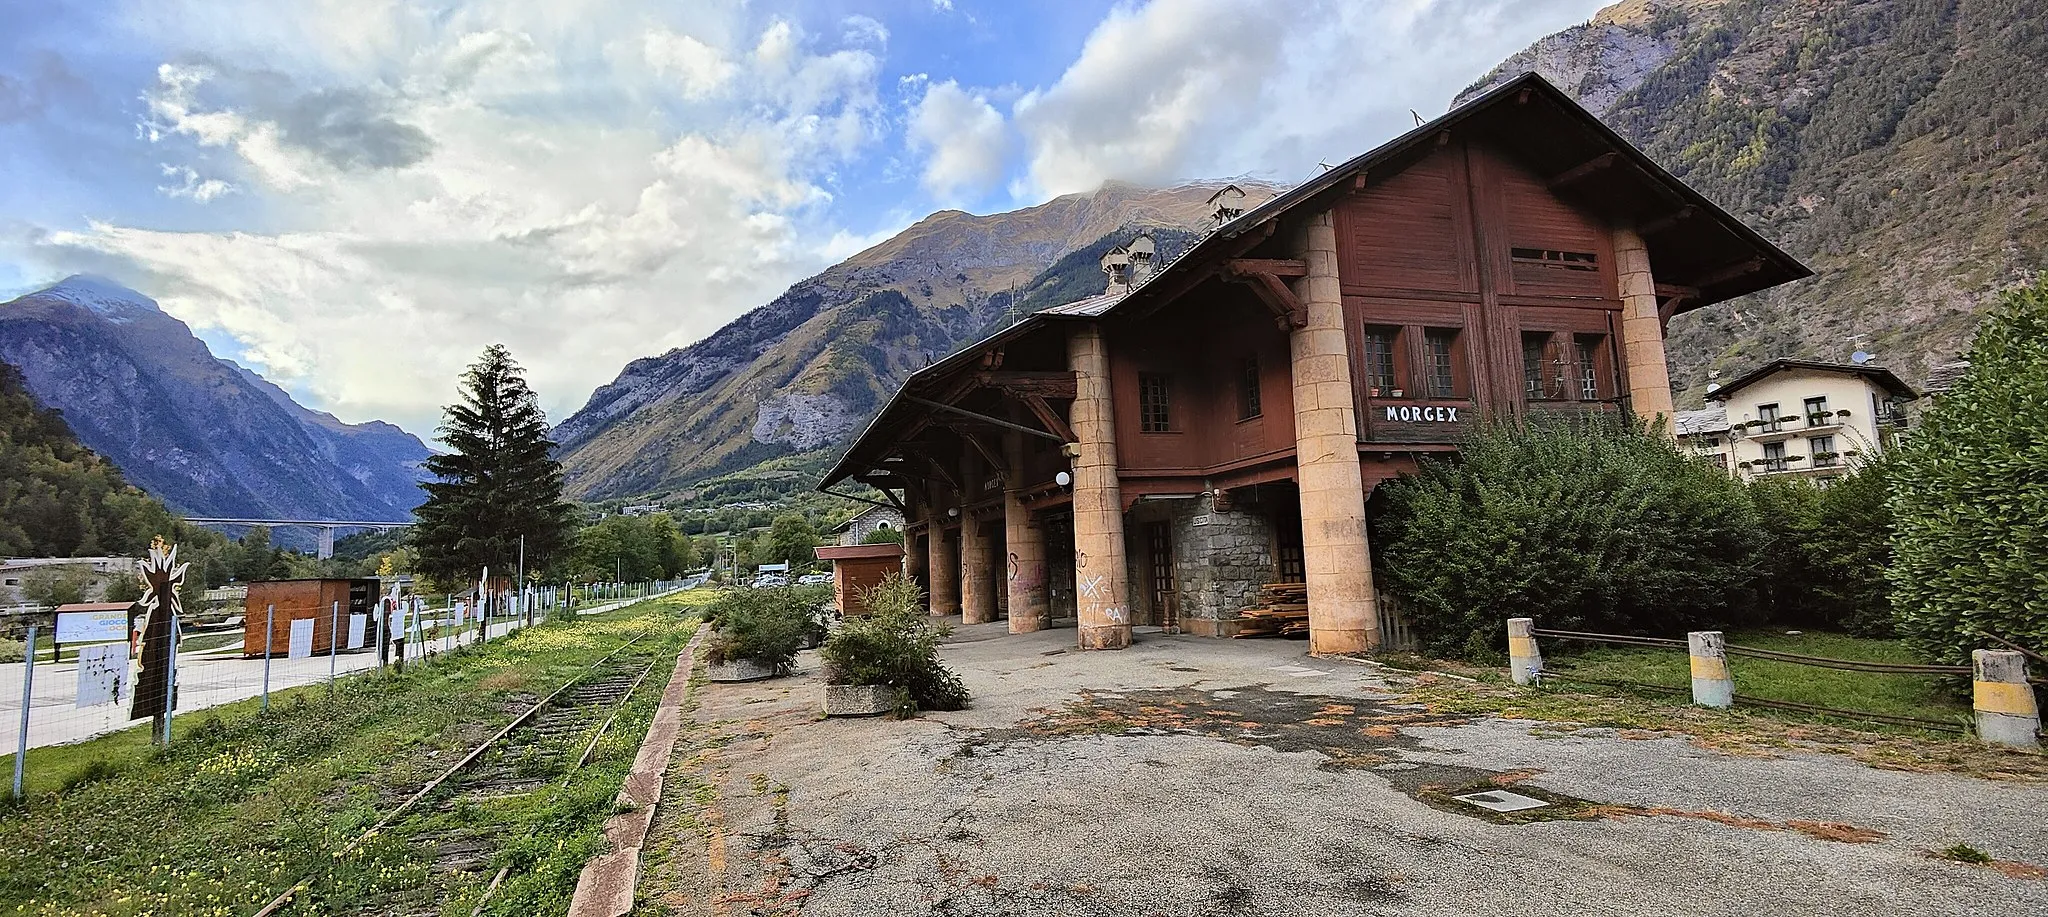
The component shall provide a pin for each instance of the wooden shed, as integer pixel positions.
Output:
(859, 566)
(305, 599)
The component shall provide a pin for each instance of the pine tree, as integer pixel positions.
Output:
(498, 482)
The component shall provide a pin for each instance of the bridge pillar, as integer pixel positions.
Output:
(326, 542)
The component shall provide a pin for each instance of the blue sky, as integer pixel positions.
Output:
(354, 196)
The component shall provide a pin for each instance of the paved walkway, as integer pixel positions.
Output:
(1191, 776)
(205, 679)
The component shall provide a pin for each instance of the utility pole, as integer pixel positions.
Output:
(523, 615)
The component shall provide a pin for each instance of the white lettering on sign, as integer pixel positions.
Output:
(1424, 414)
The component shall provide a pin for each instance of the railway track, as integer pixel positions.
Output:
(448, 835)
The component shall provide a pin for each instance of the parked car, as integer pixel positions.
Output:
(814, 579)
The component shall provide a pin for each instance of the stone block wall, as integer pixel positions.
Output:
(1220, 560)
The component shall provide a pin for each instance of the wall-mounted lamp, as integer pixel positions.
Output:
(952, 511)
(1063, 479)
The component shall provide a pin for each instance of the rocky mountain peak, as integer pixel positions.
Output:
(103, 297)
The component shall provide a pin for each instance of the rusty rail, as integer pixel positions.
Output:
(286, 897)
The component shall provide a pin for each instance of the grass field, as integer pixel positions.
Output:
(245, 803)
(1919, 696)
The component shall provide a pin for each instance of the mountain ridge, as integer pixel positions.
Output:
(803, 371)
(1897, 147)
(204, 434)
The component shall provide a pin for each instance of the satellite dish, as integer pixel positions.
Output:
(1713, 387)
(1859, 357)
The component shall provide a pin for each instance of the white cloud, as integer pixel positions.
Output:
(702, 68)
(1187, 88)
(191, 186)
(434, 185)
(966, 137)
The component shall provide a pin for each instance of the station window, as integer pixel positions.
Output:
(1154, 411)
(1440, 364)
(1535, 349)
(1248, 405)
(1378, 348)
(1588, 353)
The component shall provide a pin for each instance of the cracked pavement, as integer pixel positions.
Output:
(1191, 776)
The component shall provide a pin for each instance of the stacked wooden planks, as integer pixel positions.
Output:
(1282, 611)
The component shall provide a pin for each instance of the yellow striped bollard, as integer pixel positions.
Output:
(1525, 661)
(2006, 712)
(1711, 686)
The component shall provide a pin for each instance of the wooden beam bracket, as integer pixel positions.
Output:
(1051, 418)
(1584, 170)
(1278, 299)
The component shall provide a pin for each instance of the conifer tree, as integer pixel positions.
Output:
(499, 480)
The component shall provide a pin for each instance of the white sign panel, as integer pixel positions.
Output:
(102, 674)
(92, 626)
(302, 639)
(358, 629)
(400, 612)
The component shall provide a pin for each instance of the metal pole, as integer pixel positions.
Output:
(269, 615)
(171, 683)
(522, 580)
(28, 689)
(383, 627)
(333, 647)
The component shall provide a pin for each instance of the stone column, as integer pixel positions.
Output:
(1101, 593)
(1642, 331)
(1343, 613)
(914, 554)
(1024, 568)
(944, 568)
(977, 561)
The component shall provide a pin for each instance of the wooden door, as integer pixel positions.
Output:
(1159, 564)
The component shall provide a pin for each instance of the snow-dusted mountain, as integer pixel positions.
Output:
(204, 434)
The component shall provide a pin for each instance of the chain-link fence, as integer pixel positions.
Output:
(80, 674)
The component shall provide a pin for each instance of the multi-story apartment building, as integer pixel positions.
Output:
(1797, 417)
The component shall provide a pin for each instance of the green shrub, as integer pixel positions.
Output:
(884, 535)
(766, 626)
(1971, 500)
(895, 645)
(11, 650)
(1596, 524)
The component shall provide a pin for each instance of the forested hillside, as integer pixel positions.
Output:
(57, 498)
(1899, 147)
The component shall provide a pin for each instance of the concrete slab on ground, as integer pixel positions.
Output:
(1199, 776)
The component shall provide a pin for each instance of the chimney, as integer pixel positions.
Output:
(1117, 264)
(1142, 254)
(1225, 205)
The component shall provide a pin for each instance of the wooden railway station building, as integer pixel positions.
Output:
(1153, 454)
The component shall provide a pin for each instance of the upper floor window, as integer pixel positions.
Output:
(1588, 347)
(1817, 410)
(1439, 369)
(1768, 413)
(1248, 405)
(1154, 410)
(1535, 347)
(1822, 450)
(1378, 349)
(1560, 260)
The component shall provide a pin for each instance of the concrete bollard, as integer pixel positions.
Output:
(1711, 686)
(1525, 661)
(2006, 713)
